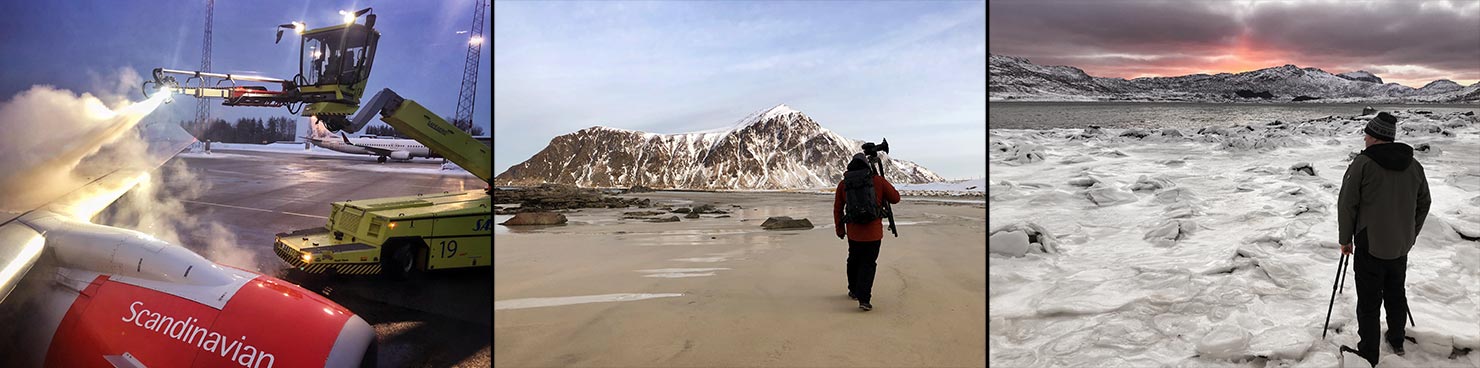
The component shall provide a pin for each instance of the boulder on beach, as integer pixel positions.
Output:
(1368, 110)
(692, 215)
(641, 213)
(682, 210)
(704, 208)
(785, 222)
(535, 218)
(639, 189)
(664, 219)
(1135, 133)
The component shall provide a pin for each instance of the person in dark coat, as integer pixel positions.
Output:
(1383, 202)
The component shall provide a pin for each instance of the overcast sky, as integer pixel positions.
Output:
(84, 46)
(914, 71)
(1412, 42)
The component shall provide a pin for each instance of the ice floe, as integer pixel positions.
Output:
(1215, 246)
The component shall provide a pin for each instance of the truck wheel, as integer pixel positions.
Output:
(399, 261)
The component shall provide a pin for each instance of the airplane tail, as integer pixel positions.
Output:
(317, 130)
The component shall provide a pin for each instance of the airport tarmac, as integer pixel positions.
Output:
(440, 319)
(722, 292)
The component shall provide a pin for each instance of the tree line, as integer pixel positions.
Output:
(244, 130)
(388, 131)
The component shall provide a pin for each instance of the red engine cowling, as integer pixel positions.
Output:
(266, 322)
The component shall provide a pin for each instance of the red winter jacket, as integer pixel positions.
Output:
(864, 232)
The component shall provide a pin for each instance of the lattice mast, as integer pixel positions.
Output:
(203, 106)
(469, 93)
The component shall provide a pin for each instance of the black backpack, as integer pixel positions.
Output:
(860, 206)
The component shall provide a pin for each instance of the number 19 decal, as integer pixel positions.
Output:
(449, 248)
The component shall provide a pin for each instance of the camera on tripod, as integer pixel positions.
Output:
(872, 150)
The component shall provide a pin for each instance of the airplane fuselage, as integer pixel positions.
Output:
(399, 149)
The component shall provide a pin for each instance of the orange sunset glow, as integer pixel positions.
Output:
(1411, 43)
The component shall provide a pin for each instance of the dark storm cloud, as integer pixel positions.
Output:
(1041, 27)
(1405, 39)
(1396, 33)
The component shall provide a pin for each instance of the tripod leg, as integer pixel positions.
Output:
(1346, 265)
(1340, 264)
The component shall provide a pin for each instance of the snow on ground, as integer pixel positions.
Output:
(1215, 246)
(971, 185)
(240, 151)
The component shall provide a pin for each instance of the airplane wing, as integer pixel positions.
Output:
(376, 150)
(23, 249)
(81, 205)
(78, 294)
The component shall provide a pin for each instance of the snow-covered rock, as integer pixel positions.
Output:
(1025, 153)
(1040, 240)
(1258, 268)
(1103, 195)
(1303, 168)
(1224, 342)
(1285, 342)
(1009, 243)
(1152, 183)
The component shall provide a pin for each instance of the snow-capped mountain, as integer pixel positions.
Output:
(1361, 75)
(776, 148)
(1015, 78)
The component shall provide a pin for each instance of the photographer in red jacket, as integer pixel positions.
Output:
(858, 214)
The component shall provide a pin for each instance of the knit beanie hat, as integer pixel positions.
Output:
(1384, 127)
(858, 163)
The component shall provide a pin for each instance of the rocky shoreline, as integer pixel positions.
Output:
(550, 197)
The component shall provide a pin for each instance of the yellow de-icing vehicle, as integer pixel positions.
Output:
(393, 236)
(402, 235)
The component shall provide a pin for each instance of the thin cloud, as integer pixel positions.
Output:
(864, 70)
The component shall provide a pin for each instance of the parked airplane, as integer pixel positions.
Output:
(399, 149)
(384, 147)
(78, 294)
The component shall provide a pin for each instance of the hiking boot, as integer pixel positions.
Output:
(1347, 349)
(865, 306)
(1397, 346)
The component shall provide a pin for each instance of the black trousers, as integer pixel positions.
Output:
(1379, 284)
(862, 263)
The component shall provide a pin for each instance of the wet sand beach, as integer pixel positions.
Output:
(601, 291)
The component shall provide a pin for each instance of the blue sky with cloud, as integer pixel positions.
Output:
(88, 46)
(914, 72)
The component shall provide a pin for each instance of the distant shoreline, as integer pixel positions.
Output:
(904, 193)
(1251, 103)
